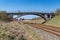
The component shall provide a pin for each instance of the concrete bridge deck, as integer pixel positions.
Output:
(23, 13)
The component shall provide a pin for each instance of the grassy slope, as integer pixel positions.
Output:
(35, 21)
(55, 21)
(31, 34)
(11, 30)
(38, 21)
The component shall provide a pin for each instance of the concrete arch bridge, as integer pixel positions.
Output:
(45, 16)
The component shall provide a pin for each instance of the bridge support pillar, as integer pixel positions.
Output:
(50, 16)
(46, 16)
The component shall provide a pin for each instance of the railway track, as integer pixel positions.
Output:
(51, 29)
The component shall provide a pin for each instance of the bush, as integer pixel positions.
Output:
(4, 17)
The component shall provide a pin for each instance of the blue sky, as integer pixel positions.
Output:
(29, 5)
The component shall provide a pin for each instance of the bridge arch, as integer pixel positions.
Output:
(45, 16)
(40, 15)
(29, 16)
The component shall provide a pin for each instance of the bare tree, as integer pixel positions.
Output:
(57, 12)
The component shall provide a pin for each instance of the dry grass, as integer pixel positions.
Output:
(17, 31)
(35, 21)
(55, 21)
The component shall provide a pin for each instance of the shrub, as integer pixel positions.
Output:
(4, 17)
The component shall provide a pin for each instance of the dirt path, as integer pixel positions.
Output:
(50, 29)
